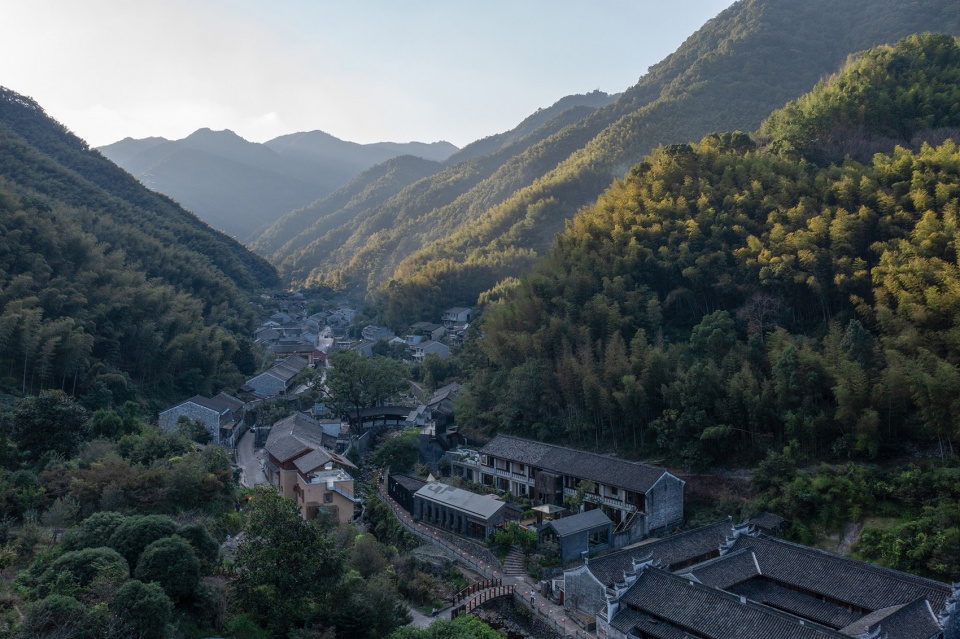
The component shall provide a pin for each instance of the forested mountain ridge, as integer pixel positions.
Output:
(751, 59)
(242, 187)
(105, 284)
(348, 244)
(727, 298)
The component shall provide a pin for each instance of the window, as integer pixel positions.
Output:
(328, 498)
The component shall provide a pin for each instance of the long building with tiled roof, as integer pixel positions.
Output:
(759, 587)
(639, 499)
(585, 585)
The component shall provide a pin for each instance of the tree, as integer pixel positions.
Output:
(575, 501)
(170, 562)
(355, 382)
(145, 609)
(74, 572)
(139, 531)
(93, 531)
(202, 542)
(49, 422)
(285, 564)
(399, 453)
(54, 617)
(463, 627)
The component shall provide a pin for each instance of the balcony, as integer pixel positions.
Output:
(509, 475)
(606, 501)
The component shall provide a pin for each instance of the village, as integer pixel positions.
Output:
(596, 544)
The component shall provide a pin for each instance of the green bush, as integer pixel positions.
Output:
(172, 564)
(144, 608)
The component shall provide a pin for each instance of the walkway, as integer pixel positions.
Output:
(250, 461)
(481, 560)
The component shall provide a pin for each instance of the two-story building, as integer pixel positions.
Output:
(422, 349)
(456, 315)
(220, 415)
(301, 468)
(278, 380)
(639, 499)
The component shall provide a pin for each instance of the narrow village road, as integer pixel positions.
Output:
(250, 462)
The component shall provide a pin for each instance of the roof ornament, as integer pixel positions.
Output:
(639, 565)
(743, 528)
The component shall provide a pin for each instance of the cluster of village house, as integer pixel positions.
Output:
(717, 581)
(714, 582)
(305, 452)
(312, 337)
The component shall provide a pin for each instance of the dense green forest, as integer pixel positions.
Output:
(108, 289)
(730, 297)
(419, 253)
(349, 241)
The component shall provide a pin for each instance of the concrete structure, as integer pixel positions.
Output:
(456, 315)
(639, 499)
(402, 488)
(421, 350)
(373, 333)
(324, 487)
(587, 532)
(461, 511)
(221, 416)
(278, 380)
(300, 468)
(436, 332)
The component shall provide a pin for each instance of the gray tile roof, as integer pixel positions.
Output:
(798, 603)
(292, 436)
(289, 367)
(580, 522)
(669, 551)
(908, 621)
(712, 613)
(297, 434)
(444, 393)
(312, 460)
(206, 402)
(767, 521)
(858, 583)
(481, 506)
(410, 483)
(629, 619)
(612, 471)
(726, 571)
(223, 402)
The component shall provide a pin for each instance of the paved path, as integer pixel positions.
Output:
(250, 462)
(548, 612)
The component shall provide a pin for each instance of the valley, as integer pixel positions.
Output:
(691, 346)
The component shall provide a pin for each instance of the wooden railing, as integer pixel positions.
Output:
(481, 597)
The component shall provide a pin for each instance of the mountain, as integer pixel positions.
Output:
(750, 295)
(241, 187)
(749, 60)
(107, 287)
(480, 175)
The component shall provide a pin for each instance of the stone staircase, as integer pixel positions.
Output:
(513, 563)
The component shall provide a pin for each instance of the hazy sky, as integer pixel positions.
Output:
(364, 71)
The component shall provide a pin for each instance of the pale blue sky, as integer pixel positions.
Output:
(422, 70)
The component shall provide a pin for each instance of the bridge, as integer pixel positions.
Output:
(475, 595)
